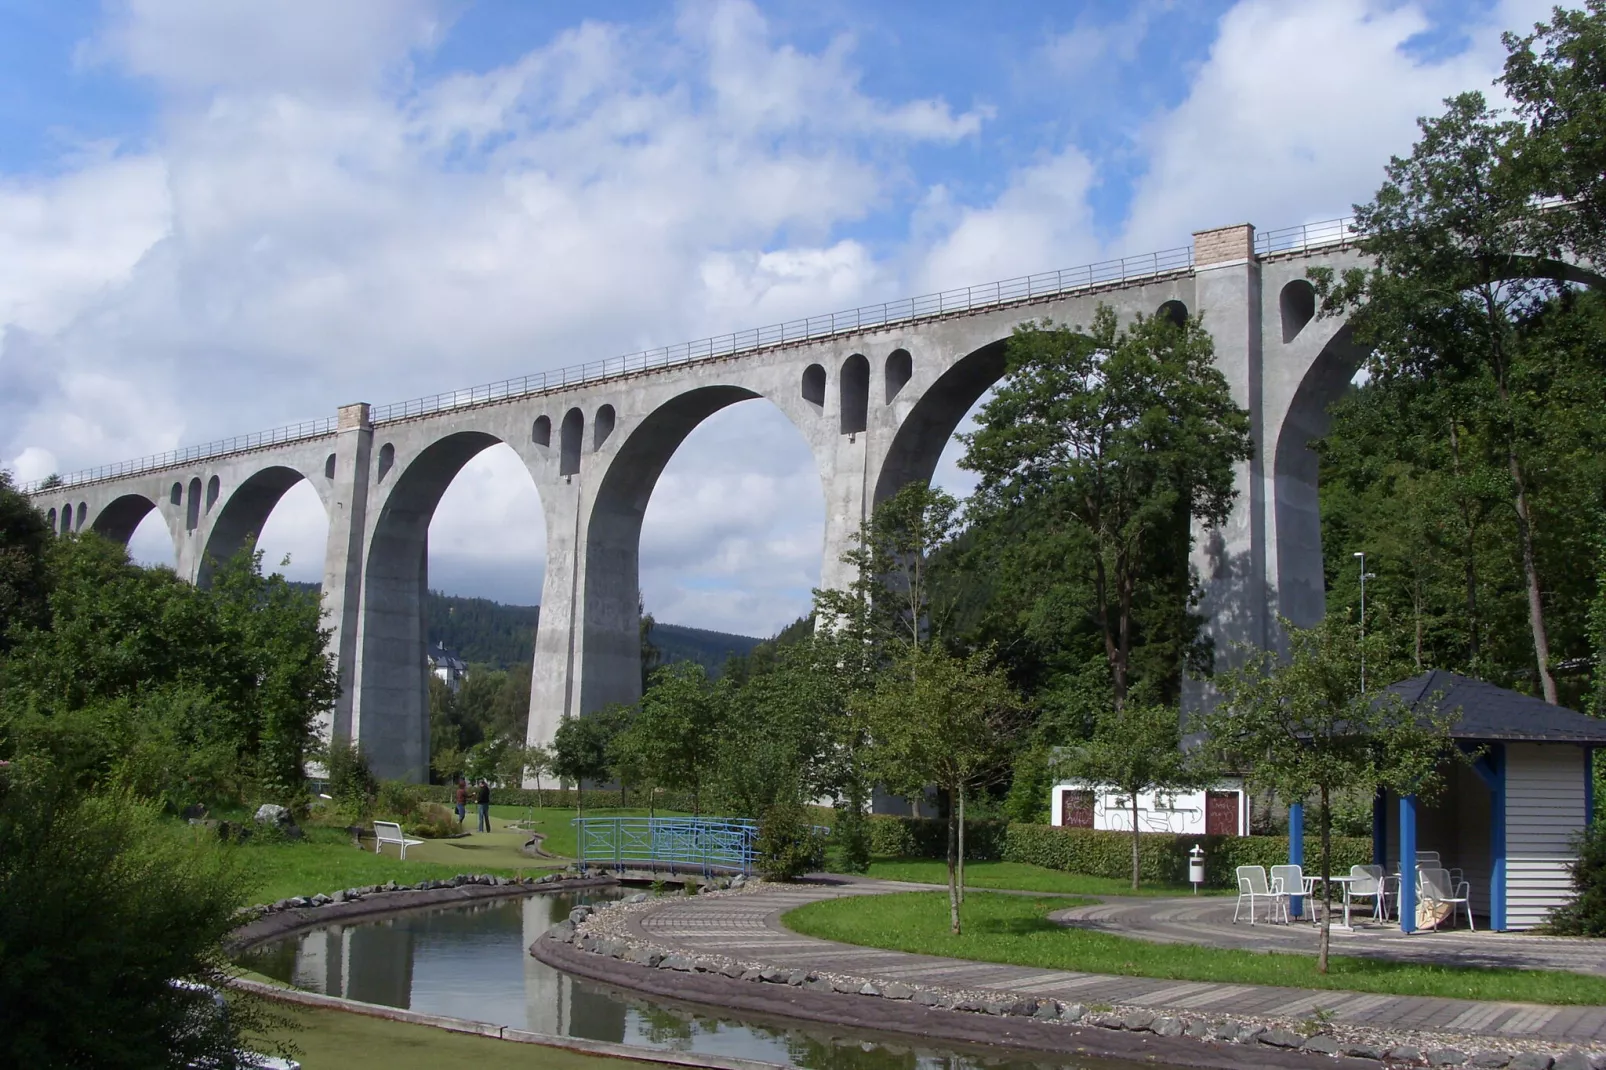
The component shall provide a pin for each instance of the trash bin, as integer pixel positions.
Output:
(1196, 867)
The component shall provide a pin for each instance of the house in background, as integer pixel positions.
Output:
(1221, 810)
(448, 666)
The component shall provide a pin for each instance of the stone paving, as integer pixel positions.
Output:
(1208, 921)
(747, 928)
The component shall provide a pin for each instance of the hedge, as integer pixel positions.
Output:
(560, 798)
(1162, 857)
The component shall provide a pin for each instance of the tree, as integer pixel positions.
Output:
(1126, 436)
(580, 753)
(676, 734)
(102, 910)
(944, 720)
(786, 749)
(24, 537)
(1304, 726)
(1135, 750)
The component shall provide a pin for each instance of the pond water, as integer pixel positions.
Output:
(472, 962)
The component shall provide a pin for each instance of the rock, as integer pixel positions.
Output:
(774, 975)
(1281, 1038)
(1167, 1026)
(1020, 1008)
(1573, 1060)
(563, 932)
(579, 914)
(739, 880)
(1197, 1027)
(844, 984)
(869, 989)
(1248, 1034)
(1530, 1060)
(896, 991)
(320, 899)
(818, 984)
(1072, 1012)
(643, 956)
(1048, 1010)
(732, 970)
(1490, 1060)
(1403, 1053)
(282, 904)
(1321, 1043)
(1447, 1057)
(926, 998)
(639, 897)
(1225, 1031)
(338, 897)
(1108, 1021)
(682, 963)
(585, 942)
(1138, 1021)
(752, 973)
(1364, 1051)
(272, 814)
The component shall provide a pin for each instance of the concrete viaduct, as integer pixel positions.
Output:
(876, 393)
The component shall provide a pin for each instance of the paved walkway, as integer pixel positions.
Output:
(748, 928)
(1209, 922)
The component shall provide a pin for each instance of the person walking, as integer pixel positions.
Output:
(462, 799)
(484, 800)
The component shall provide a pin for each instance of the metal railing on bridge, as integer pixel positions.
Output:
(678, 844)
(1041, 286)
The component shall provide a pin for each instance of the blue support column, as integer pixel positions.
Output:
(1380, 828)
(1589, 785)
(1408, 863)
(1296, 852)
(1491, 766)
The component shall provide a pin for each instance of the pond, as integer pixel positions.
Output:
(472, 962)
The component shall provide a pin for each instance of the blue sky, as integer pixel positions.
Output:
(217, 217)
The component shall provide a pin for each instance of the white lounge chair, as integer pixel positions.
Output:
(1435, 889)
(1252, 885)
(390, 832)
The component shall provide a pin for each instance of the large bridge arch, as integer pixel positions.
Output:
(390, 718)
(930, 424)
(243, 510)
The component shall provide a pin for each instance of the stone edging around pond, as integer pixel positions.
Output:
(599, 934)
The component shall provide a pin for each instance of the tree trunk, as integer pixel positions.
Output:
(961, 881)
(1471, 559)
(1136, 842)
(1327, 883)
(953, 876)
(1530, 573)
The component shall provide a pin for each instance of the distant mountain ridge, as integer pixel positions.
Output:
(485, 632)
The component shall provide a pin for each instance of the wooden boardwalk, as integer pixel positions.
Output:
(747, 928)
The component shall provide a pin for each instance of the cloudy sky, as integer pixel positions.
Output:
(218, 216)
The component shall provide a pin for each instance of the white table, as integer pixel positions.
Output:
(1344, 882)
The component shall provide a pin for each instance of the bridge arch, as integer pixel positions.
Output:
(392, 711)
(242, 513)
(921, 436)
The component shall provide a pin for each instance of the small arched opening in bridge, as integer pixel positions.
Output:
(602, 426)
(192, 505)
(213, 485)
(50, 519)
(82, 515)
(461, 517)
(712, 512)
(279, 511)
(813, 388)
(571, 435)
(853, 391)
(541, 431)
(1175, 311)
(1297, 306)
(66, 518)
(899, 369)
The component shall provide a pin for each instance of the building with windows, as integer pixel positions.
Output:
(448, 666)
(1220, 810)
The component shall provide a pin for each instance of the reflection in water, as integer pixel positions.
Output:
(471, 962)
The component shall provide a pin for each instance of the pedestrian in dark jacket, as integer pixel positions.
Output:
(484, 800)
(462, 800)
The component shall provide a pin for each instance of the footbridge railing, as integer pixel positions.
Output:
(677, 844)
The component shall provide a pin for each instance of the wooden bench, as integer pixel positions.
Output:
(390, 832)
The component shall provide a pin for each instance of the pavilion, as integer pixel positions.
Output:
(1509, 820)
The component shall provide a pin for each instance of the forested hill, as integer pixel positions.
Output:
(481, 631)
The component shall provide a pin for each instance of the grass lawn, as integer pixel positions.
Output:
(1018, 876)
(555, 823)
(332, 1040)
(1015, 929)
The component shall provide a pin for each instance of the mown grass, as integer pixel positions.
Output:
(335, 1040)
(1018, 876)
(554, 822)
(1015, 930)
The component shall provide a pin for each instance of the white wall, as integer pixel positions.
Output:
(1544, 811)
(1182, 813)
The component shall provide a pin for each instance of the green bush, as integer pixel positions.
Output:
(927, 837)
(787, 845)
(352, 784)
(433, 822)
(399, 799)
(1585, 913)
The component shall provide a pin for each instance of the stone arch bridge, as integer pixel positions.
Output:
(876, 392)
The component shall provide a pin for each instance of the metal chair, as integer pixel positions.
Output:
(1252, 885)
(1366, 882)
(1290, 880)
(1436, 889)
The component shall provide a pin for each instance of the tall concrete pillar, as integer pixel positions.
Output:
(555, 663)
(343, 557)
(845, 462)
(1231, 560)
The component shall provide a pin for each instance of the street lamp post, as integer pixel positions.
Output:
(1361, 556)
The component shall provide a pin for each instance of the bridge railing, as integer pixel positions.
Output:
(679, 844)
(888, 313)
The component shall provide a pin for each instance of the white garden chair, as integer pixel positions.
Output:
(1252, 885)
(1290, 880)
(1366, 882)
(1435, 889)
